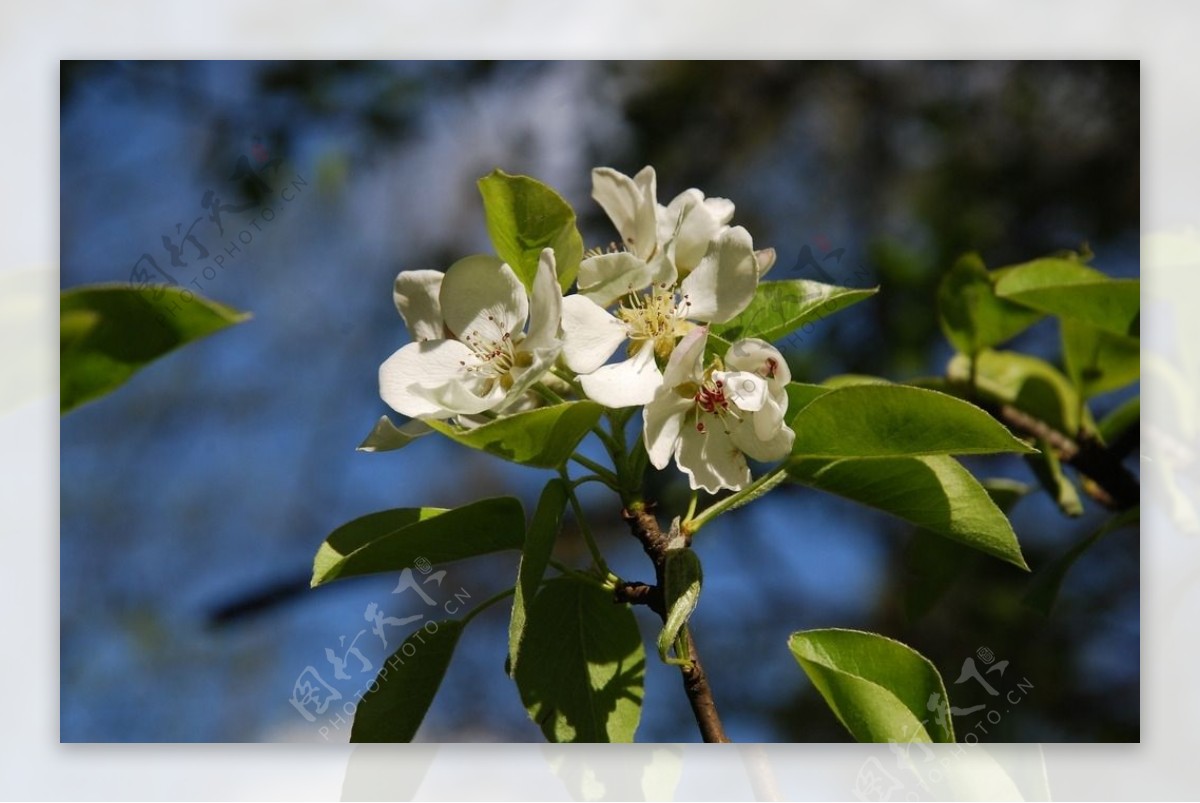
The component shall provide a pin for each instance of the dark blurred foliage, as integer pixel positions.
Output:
(900, 167)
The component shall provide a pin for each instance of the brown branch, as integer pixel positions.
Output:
(1111, 484)
(655, 542)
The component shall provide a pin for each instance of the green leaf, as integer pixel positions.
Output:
(110, 331)
(392, 540)
(396, 703)
(1116, 423)
(583, 667)
(779, 308)
(1049, 472)
(934, 492)
(1044, 588)
(1098, 361)
(878, 420)
(682, 579)
(933, 564)
(971, 315)
(1031, 385)
(544, 437)
(877, 687)
(535, 556)
(800, 394)
(1068, 289)
(523, 217)
(387, 437)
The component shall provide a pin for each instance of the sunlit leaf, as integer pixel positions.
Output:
(523, 217)
(111, 331)
(878, 688)
(1049, 472)
(1032, 385)
(583, 665)
(682, 578)
(780, 308)
(1098, 361)
(934, 492)
(879, 420)
(544, 437)
(387, 437)
(1069, 289)
(392, 540)
(971, 314)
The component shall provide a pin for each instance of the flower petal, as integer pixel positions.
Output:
(464, 398)
(483, 299)
(545, 305)
(630, 204)
(590, 334)
(624, 384)
(686, 361)
(404, 377)
(710, 458)
(694, 229)
(662, 419)
(772, 442)
(766, 260)
(720, 208)
(724, 282)
(416, 295)
(760, 357)
(746, 390)
(607, 277)
(541, 360)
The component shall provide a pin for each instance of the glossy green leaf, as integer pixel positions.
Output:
(1098, 361)
(779, 308)
(971, 314)
(535, 556)
(109, 332)
(392, 540)
(583, 667)
(1049, 472)
(682, 578)
(877, 687)
(1069, 289)
(523, 217)
(1032, 385)
(934, 492)
(397, 700)
(934, 564)
(544, 437)
(878, 420)
(387, 437)
(1044, 588)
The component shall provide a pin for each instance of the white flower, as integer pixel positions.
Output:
(710, 419)
(471, 351)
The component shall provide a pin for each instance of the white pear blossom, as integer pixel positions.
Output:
(710, 419)
(472, 350)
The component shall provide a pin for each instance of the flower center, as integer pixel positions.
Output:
(496, 359)
(657, 318)
(710, 397)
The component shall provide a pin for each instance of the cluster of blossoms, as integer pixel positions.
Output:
(481, 340)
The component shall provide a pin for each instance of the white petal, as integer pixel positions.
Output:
(463, 398)
(763, 447)
(624, 384)
(759, 356)
(542, 359)
(590, 334)
(416, 295)
(745, 390)
(545, 306)
(720, 208)
(482, 297)
(766, 260)
(404, 376)
(725, 281)
(710, 458)
(769, 420)
(694, 234)
(686, 361)
(630, 205)
(662, 419)
(607, 277)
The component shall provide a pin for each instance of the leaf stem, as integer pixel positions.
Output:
(581, 521)
(487, 603)
(600, 470)
(748, 494)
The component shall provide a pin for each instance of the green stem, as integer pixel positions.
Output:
(748, 494)
(608, 584)
(487, 603)
(581, 520)
(692, 506)
(548, 394)
(600, 470)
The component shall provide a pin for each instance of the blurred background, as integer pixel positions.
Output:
(193, 499)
